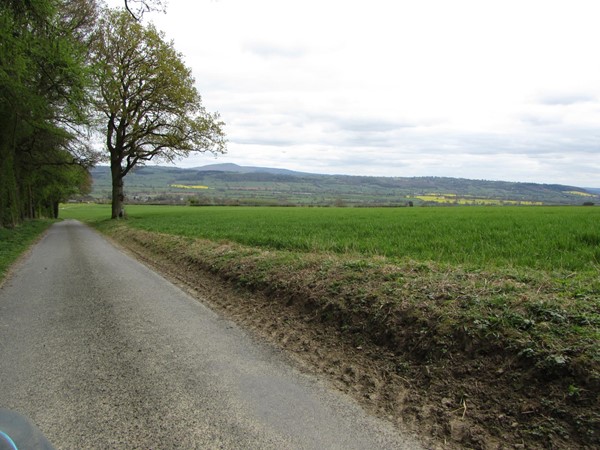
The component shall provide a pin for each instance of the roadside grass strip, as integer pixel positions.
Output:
(15, 241)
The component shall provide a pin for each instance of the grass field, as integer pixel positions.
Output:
(546, 238)
(13, 242)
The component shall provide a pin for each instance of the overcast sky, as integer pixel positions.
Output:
(500, 90)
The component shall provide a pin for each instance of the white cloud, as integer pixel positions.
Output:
(498, 89)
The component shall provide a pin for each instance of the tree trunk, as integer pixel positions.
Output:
(117, 191)
(31, 206)
(9, 199)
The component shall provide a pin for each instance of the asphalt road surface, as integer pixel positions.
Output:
(102, 352)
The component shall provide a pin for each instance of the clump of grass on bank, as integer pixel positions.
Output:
(14, 241)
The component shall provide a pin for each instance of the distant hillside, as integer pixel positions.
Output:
(233, 184)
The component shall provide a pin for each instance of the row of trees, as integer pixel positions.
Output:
(43, 86)
(70, 69)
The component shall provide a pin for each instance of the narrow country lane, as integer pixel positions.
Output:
(101, 352)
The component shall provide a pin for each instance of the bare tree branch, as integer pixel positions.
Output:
(137, 8)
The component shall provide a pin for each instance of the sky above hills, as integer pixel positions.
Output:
(501, 90)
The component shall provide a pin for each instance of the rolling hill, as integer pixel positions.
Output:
(230, 184)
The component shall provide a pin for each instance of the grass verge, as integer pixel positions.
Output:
(518, 349)
(14, 241)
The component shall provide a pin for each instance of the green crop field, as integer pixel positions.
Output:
(546, 238)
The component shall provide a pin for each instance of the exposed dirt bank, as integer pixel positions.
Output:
(414, 343)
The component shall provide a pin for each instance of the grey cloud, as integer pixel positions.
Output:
(539, 120)
(533, 144)
(368, 140)
(360, 131)
(361, 123)
(267, 141)
(565, 99)
(309, 128)
(524, 144)
(268, 50)
(540, 145)
(371, 125)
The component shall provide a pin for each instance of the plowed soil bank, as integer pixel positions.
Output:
(464, 359)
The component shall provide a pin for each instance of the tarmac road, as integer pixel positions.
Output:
(102, 352)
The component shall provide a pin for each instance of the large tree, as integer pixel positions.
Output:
(150, 107)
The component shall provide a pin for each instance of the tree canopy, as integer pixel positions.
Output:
(146, 95)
